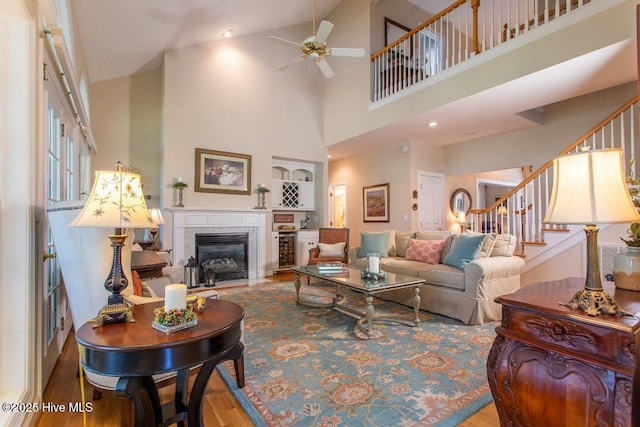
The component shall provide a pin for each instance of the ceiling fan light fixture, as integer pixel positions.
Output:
(315, 47)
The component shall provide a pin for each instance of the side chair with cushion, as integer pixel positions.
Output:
(333, 246)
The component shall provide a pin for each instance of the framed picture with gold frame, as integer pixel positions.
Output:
(222, 172)
(375, 200)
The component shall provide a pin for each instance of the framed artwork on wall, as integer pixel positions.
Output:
(375, 203)
(222, 172)
(393, 31)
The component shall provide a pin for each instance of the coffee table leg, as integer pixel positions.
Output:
(297, 283)
(416, 304)
(369, 313)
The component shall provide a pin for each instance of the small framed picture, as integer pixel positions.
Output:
(375, 199)
(222, 172)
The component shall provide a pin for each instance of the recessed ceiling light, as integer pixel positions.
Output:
(432, 124)
(227, 34)
(328, 156)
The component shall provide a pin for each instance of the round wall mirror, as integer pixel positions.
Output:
(460, 201)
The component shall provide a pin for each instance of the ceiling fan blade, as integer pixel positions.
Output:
(293, 61)
(284, 41)
(345, 51)
(324, 29)
(325, 68)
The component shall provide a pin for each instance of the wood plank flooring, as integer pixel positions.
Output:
(221, 409)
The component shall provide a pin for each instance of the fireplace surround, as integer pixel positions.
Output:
(187, 222)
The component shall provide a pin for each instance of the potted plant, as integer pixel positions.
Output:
(261, 191)
(180, 186)
(626, 265)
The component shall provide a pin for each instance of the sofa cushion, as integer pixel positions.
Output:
(374, 243)
(331, 249)
(465, 248)
(432, 235)
(137, 283)
(443, 275)
(504, 245)
(427, 251)
(391, 244)
(402, 242)
(487, 246)
(447, 246)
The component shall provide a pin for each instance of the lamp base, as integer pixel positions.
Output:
(594, 302)
(114, 312)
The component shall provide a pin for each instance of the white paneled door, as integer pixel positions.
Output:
(431, 201)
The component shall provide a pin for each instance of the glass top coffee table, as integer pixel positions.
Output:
(351, 278)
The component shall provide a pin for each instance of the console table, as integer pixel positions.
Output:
(553, 366)
(136, 351)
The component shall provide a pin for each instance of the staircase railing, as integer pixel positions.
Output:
(459, 32)
(521, 211)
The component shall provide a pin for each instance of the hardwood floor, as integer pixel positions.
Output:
(221, 409)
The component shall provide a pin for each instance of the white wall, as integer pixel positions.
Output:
(228, 96)
(563, 123)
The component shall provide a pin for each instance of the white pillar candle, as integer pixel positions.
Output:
(175, 297)
(179, 179)
(374, 264)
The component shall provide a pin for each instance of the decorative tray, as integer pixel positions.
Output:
(173, 320)
(366, 274)
(174, 328)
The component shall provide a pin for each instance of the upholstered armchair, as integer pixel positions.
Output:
(333, 246)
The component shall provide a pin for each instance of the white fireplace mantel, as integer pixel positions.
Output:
(189, 221)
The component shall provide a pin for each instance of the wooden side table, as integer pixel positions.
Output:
(552, 366)
(136, 351)
(148, 264)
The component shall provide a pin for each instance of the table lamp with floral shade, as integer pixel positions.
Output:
(116, 201)
(158, 220)
(589, 188)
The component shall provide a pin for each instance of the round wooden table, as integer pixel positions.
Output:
(136, 351)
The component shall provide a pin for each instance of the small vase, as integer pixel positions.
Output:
(626, 269)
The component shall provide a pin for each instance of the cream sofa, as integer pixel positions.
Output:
(467, 295)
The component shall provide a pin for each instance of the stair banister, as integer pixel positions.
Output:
(538, 182)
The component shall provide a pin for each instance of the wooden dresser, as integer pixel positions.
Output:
(552, 366)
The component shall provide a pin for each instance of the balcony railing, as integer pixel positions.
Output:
(464, 29)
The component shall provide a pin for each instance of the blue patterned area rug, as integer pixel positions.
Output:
(308, 367)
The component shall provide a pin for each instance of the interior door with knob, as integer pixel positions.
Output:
(338, 205)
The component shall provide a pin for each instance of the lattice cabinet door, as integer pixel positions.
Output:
(290, 194)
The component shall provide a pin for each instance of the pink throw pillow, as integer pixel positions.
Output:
(427, 251)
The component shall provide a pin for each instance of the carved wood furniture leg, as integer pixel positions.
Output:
(143, 392)
(238, 364)
(200, 383)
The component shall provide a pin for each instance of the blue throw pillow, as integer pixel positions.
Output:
(465, 248)
(371, 243)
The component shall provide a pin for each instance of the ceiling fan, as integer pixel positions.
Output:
(315, 47)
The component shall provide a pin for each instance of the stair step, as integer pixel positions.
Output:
(555, 230)
(534, 243)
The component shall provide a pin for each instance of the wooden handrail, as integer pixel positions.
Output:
(425, 24)
(547, 165)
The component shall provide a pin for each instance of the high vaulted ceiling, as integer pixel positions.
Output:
(123, 37)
